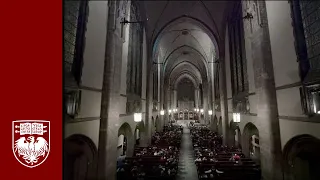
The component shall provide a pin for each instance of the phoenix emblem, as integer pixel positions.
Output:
(31, 142)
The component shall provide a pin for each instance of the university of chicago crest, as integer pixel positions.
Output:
(31, 141)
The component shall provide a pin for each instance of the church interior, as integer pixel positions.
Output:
(187, 90)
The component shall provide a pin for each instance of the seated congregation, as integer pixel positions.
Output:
(215, 161)
(158, 161)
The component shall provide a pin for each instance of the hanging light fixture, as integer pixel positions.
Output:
(137, 117)
(236, 117)
(210, 112)
(169, 111)
(201, 110)
(162, 112)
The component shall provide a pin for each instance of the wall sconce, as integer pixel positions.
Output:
(137, 117)
(169, 111)
(195, 109)
(248, 16)
(210, 112)
(236, 117)
(201, 110)
(162, 112)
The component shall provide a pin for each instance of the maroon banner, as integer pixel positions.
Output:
(31, 89)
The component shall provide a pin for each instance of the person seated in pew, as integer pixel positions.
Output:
(162, 170)
(199, 159)
(236, 158)
(219, 172)
(204, 159)
(121, 163)
(141, 173)
(213, 160)
(134, 171)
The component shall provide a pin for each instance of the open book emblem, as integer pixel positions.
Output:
(31, 141)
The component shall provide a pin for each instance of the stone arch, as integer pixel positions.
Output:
(302, 158)
(80, 157)
(128, 140)
(220, 126)
(213, 36)
(250, 142)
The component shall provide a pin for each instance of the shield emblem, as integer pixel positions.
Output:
(31, 141)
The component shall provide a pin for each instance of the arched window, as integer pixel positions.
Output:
(74, 23)
(238, 62)
(306, 22)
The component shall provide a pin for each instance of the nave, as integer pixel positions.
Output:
(187, 152)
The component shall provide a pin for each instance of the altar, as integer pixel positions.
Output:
(184, 123)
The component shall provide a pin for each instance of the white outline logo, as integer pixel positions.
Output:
(31, 141)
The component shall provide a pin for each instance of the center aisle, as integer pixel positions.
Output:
(187, 168)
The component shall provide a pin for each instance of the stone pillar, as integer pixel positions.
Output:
(145, 137)
(167, 101)
(175, 98)
(267, 108)
(109, 123)
(223, 101)
(162, 102)
(149, 103)
(210, 117)
(196, 97)
(205, 102)
(171, 99)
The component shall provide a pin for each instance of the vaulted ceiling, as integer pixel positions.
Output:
(185, 35)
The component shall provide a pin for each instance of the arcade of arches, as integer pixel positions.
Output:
(247, 70)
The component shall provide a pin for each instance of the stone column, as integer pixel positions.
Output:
(167, 102)
(210, 117)
(175, 98)
(149, 103)
(196, 98)
(172, 99)
(109, 123)
(205, 102)
(223, 101)
(267, 108)
(162, 89)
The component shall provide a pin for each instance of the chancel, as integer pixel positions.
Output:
(187, 90)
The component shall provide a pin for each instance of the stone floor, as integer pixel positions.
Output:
(187, 169)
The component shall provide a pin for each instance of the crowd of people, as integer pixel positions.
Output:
(158, 161)
(215, 161)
